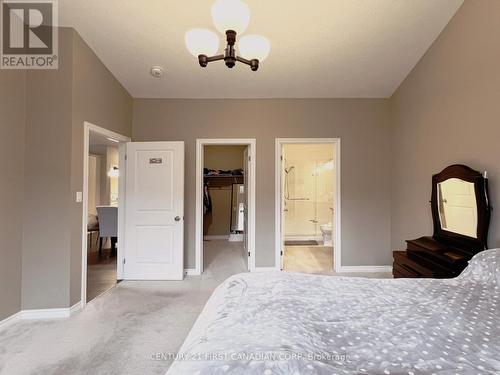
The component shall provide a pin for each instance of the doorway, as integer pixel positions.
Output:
(225, 206)
(100, 210)
(308, 205)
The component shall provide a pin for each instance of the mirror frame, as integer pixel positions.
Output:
(461, 241)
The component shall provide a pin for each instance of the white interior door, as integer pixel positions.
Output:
(246, 171)
(282, 247)
(154, 211)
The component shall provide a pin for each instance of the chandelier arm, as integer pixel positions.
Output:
(204, 59)
(243, 60)
(254, 63)
(215, 58)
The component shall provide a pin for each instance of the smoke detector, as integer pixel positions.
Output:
(157, 71)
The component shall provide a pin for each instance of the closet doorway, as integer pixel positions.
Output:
(225, 205)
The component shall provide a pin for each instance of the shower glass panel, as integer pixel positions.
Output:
(308, 191)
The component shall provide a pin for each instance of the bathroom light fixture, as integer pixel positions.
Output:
(114, 172)
(231, 17)
(329, 165)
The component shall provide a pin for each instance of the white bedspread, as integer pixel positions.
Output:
(283, 323)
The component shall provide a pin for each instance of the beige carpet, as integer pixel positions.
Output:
(120, 331)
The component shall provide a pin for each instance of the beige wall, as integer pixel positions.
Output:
(447, 111)
(94, 181)
(47, 207)
(112, 160)
(227, 157)
(100, 99)
(12, 130)
(218, 222)
(57, 104)
(363, 126)
(102, 152)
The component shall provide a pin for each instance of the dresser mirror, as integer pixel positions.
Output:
(460, 207)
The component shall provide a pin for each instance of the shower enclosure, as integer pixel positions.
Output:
(308, 183)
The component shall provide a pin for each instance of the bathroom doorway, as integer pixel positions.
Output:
(308, 209)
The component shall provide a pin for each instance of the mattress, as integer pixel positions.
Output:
(286, 323)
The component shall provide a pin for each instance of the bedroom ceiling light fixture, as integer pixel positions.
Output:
(230, 17)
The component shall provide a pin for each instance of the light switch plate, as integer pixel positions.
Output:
(79, 197)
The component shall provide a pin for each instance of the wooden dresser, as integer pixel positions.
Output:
(426, 257)
(461, 215)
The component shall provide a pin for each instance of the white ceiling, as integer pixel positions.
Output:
(319, 49)
(96, 139)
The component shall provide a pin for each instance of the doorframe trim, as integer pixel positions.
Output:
(200, 143)
(87, 128)
(337, 216)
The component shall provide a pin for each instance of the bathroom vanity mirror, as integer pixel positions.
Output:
(460, 207)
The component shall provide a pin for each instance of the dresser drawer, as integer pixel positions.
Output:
(406, 267)
(402, 270)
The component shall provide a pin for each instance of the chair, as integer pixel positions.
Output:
(92, 227)
(108, 226)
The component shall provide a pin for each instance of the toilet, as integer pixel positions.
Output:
(326, 231)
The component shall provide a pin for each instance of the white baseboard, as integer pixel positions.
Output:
(215, 237)
(36, 314)
(45, 314)
(10, 320)
(191, 272)
(303, 238)
(75, 308)
(265, 269)
(365, 269)
(235, 237)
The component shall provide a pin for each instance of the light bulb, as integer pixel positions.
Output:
(202, 42)
(254, 47)
(230, 15)
(113, 172)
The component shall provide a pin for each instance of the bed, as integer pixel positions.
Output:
(285, 323)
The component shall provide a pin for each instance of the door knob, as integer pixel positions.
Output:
(177, 218)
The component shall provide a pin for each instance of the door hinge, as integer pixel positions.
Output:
(281, 157)
(124, 261)
(249, 158)
(281, 253)
(249, 253)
